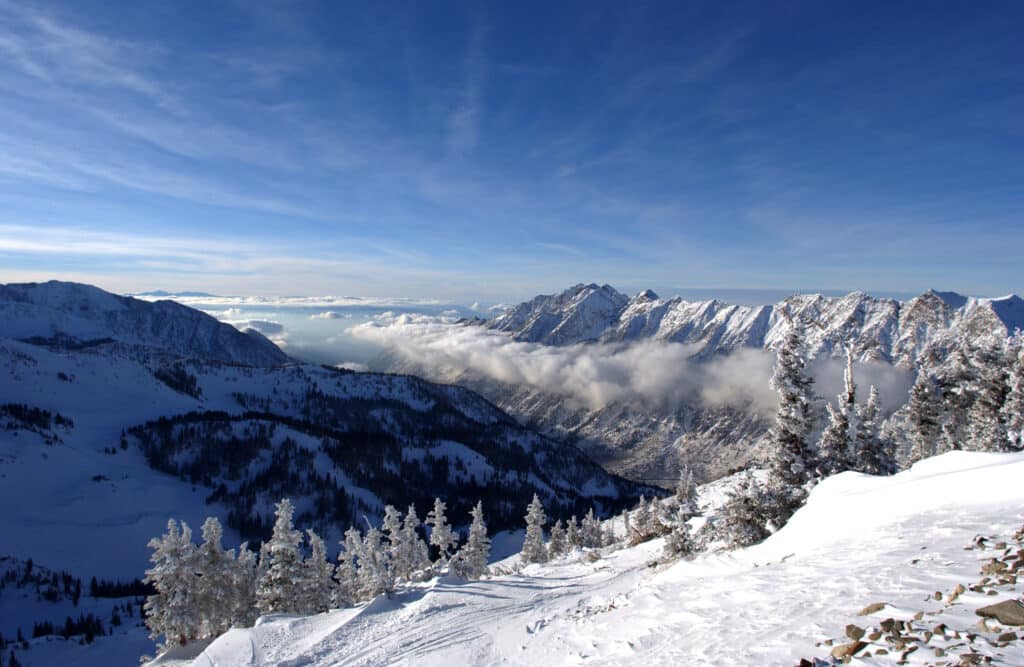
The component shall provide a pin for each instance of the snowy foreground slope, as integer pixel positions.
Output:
(860, 540)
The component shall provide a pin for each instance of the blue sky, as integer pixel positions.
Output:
(493, 151)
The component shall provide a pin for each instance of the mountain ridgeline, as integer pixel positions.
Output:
(646, 439)
(75, 316)
(877, 329)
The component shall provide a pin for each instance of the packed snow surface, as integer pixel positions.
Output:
(859, 540)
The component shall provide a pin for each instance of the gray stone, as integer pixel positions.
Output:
(872, 608)
(1007, 612)
(847, 650)
(854, 632)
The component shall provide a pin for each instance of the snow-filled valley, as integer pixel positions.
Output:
(860, 540)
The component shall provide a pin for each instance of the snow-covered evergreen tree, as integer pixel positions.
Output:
(391, 529)
(791, 458)
(872, 457)
(685, 485)
(834, 446)
(679, 540)
(280, 584)
(533, 542)
(471, 561)
(836, 451)
(557, 545)
(742, 520)
(591, 534)
(170, 612)
(441, 534)
(1012, 411)
(319, 577)
(346, 574)
(243, 587)
(414, 554)
(639, 521)
(955, 384)
(213, 567)
(375, 573)
(848, 399)
(986, 430)
(573, 538)
(923, 416)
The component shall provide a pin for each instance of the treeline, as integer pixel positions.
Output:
(245, 460)
(27, 416)
(56, 587)
(177, 378)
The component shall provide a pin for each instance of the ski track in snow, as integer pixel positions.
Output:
(860, 540)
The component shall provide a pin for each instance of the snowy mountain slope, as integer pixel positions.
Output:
(72, 314)
(859, 540)
(71, 500)
(882, 329)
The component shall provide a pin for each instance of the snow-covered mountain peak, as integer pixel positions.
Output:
(952, 299)
(64, 313)
(646, 295)
(1009, 309)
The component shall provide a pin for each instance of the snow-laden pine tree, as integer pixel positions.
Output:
(213, 567)
(834, 446)
(573, 538)
(923, 417)
(848, 399)
(1012, 411)
(791, 457)
(280, 584)
(243, 587)
(872, 457)
(679, 540)
(414, 553)
(557, 546)
(639, 521)
(391, 530)
(591, 534)
(319, 577)
(170, 612)
(441, 534)
(685, 484)
(346, 574)
(744, 517)
(955, 383)
(986, 431)
(533, 542)
(471, 561)
(375, 574)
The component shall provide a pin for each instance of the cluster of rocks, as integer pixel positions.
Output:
(943, 635)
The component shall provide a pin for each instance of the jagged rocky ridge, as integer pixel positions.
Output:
(879, 329)
(647, 441)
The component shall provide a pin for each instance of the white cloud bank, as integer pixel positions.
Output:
(596, 375)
